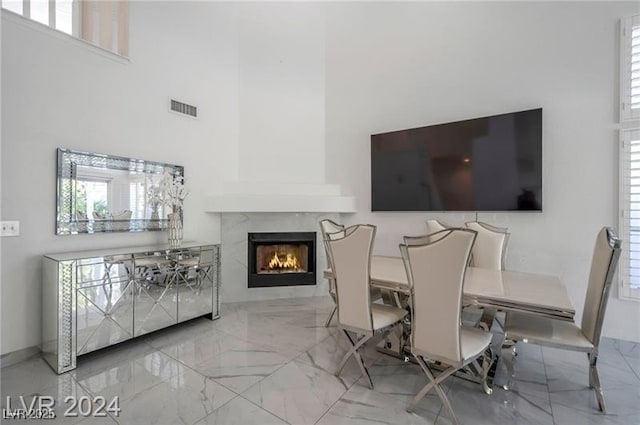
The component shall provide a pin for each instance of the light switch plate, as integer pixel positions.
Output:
(10, 228)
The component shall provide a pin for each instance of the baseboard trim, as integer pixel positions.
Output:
(18, 356)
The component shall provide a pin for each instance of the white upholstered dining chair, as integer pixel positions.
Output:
(435, 271)
(434, 230)
(436, 225)
(567, 335)
(330, 227)
(331, 230)
(490, 249)
(488, 252)
(350, 256)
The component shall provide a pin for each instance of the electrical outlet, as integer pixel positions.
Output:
(10, 228)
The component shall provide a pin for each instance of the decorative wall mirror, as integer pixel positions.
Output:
(104, 193)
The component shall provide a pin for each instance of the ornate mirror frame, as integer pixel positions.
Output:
(68, 219)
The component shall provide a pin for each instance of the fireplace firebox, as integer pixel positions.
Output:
(281, 259)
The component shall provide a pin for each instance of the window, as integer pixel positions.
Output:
(13, 5)
(56, 14)
(104, 23)
(630, 214)
(64, 16)
(629, 270)
(630, 64)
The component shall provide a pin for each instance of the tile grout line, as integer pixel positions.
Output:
(263, 409)
(637, 373)
(313, 366)
(92, 396)
(546, 378)
(333, 404)
(251, 386)
(163, 381)
(237, 394)
(217, 355)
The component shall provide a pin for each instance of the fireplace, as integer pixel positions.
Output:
(281, 259)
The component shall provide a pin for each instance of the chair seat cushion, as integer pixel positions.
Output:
(386, 315)
(544, 331)
(473, 342)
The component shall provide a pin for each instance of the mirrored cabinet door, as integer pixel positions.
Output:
(196, 278)
(156, 292)
(104, 302)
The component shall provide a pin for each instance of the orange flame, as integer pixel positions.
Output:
(290, 262)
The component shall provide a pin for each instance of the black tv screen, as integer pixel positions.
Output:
(483, 164)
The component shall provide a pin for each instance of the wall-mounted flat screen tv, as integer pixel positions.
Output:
(483, 164)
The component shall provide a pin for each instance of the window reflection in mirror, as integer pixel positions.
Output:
(102, 193)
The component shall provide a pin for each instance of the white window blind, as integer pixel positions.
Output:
(104, 23)
(138, 199)
(630, 213)
(630, 68)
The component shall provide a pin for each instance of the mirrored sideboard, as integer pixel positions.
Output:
(94, 299)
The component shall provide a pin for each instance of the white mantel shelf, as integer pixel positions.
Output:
(291, 197)
(281, 203)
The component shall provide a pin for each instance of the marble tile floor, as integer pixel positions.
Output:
(272, 362)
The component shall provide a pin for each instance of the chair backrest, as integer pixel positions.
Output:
(330, 229)
(490, 249)
(603, 266)
(429, 238)
(350, 256)
(437, 225)
(435, 272)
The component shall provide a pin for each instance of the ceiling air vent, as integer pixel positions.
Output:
(183, 108)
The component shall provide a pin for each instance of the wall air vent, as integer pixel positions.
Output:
(183, 108)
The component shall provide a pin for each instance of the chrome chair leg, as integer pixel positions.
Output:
(353, 351)
(487, 360)
(487, 318)
(359, 360)
(333, 312)
(499, 319)
(396, 299)
(507, 354)
(332, 284)
(387, 297)
(594, 381)
(480, 368)
(363, 369)
(435, 384)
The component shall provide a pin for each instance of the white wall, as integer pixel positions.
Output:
(57, 92)
(281, 92)
(395, 66)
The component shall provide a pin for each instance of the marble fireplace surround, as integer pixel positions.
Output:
(234, 229)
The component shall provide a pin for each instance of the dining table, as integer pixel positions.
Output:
(532, 293)
(493, 290)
